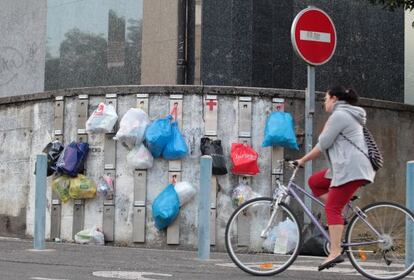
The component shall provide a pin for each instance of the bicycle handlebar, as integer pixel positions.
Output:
(293, 164)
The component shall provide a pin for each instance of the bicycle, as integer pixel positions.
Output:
(375, 239)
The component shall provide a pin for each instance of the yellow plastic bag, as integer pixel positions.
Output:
(61, 186)
(82, 187)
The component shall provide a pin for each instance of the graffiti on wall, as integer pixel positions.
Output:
(14, 61)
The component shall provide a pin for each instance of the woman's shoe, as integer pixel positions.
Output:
(331, 263)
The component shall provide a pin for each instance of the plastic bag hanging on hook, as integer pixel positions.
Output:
(165, 207)
(244, 159)
(132, 128)
(102, 119)
(159, 133)
(280, 131)
(214, 149)
(53, 151)
(176, 148)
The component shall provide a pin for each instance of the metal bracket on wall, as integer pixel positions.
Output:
(277, 152)
(79, 205)
(210, 115)
(140, 198)
(245, 133)
(110, 170)
(142, 102)
(174, 168)
(56, 210)
(140, 188)
(210, 109)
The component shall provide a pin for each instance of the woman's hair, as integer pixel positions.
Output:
(349, 95)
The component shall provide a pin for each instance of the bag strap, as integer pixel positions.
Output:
(355, 145)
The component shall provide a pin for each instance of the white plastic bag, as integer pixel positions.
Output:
(102, 119)
(283, 238)
(140, 158)
(90, 236)
(105, 187)
(185, 192)
(132, 128)
(242, 193)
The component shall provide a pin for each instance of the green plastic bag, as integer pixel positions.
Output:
(82, 187)
(60, 185)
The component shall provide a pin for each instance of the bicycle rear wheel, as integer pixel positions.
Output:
(394, 257)
(269, 254)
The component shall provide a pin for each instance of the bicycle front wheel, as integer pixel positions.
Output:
(258, 252)
(393, 256)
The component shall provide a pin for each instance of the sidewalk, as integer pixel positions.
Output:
(66, 261)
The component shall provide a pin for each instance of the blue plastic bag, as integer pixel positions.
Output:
(72, 159)
(157, 135)
(176, 148)
(280, 131)
(165, 207)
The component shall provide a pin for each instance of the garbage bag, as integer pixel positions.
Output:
(280, 131)
(158, 134)
(185, 192)
(102, 119)
(242, 193)
(53, 151)
(282, 238)
(71, 161)
(214, 149)
(82, 187)
(60, 185)
(132, 128)
(90, 236)
(244, 159)
(140, 158)
(105, 187)
(165, 207)
(176, 148)
(313, 240)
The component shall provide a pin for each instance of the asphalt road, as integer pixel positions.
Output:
(64, 261)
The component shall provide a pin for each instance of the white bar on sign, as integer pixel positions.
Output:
(110, 95)
(307, 35)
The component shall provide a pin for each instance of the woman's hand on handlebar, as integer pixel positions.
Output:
(300, 162)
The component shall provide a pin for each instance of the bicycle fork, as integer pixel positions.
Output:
(275, 207)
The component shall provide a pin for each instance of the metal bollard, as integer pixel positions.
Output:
(40, 202)
(204, 208)
(409, 229)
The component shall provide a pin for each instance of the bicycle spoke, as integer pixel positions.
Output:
(385, 260)
(262, 255)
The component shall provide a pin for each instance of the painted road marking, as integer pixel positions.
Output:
(307, 35)
(132, 275)
(345, 270)
(41, 278)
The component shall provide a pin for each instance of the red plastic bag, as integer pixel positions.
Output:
(244, 159)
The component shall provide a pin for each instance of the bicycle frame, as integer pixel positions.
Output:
(291, 190)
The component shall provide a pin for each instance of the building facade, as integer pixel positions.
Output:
(55, 44)
(123, 46)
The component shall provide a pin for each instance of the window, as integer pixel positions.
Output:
(93, 43)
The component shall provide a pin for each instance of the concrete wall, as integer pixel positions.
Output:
(22, 47)
(409, 58)
(159, 42)
(26, 125)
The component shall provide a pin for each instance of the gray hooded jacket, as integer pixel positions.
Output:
(346, 162)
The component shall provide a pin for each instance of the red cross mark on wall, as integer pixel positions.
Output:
(211, 103)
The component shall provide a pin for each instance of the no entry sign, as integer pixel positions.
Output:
(313, 36)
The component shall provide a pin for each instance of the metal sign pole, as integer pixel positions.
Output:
(309, 112)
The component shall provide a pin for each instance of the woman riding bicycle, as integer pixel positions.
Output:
(349, 168)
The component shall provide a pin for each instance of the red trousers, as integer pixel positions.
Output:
(338, 196)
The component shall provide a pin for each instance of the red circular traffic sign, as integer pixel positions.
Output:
(313, 36)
